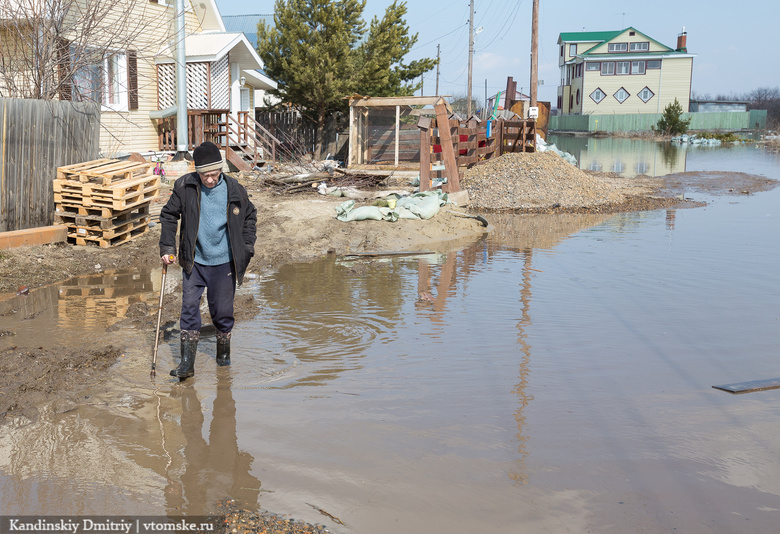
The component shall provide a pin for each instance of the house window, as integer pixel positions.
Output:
(623, 67)
(578, 71)
(572, 50)
(637, 67)
(593, 66)
(561, 50)
(607, 68)
(621, 95)
(617, 47)
(578, 97)
(640, 47)
(598, 95)
(645, 94)
(102, 80)
(654, 64)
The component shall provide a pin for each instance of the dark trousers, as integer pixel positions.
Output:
(221, 286)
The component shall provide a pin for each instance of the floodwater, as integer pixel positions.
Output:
(555, 376)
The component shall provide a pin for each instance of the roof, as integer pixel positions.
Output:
(246, 24)
(214, 46)
(600, 51)
(208, 15)
(589, 37)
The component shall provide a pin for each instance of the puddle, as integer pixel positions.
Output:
(555, 376)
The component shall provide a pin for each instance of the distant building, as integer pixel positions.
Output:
(621, 72)
(716, 106)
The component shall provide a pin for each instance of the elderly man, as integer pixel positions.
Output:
(216, 241)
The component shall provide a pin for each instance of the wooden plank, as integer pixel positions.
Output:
(389, 101)
(750, 386)
(33, 236)
(448, 150)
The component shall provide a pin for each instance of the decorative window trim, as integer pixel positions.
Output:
(643, 95)
(616, 48)
(618, 92)
(598, 95)
(640, 46)
(607, 68)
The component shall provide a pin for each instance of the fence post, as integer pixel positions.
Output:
(426, 124)
(447, 148)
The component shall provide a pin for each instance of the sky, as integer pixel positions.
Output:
(733, 41)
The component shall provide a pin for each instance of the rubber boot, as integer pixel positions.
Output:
(223, 349)
(189, 346)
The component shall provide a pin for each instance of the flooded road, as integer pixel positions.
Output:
(555, 376)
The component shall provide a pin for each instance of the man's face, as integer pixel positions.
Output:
(210, 178)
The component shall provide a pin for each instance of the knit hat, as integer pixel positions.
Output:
(207, 157)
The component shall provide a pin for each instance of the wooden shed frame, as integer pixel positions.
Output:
(358, 121)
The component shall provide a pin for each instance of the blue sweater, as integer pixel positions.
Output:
(213, 247)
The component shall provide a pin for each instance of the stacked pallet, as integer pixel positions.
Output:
(105, 201)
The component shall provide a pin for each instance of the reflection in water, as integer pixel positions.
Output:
(520, 390)
(627, 157)
(212, 470)
(77, 307)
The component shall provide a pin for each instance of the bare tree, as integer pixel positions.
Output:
(81, 50)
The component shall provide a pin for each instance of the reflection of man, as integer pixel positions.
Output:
(216, 470)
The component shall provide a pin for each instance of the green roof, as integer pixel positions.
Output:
(588, 36)
(601, 37)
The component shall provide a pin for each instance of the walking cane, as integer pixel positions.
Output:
(159, 316)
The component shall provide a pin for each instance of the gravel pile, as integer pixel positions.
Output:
(537, 180)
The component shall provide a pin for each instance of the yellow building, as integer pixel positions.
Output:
(120, 55)
(621, 72)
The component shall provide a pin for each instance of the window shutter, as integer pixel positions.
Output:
(64, 77)
(132, 80)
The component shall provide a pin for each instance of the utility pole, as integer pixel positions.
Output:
(182, 142)
(534, 51)
(438, 63)
(471, 56)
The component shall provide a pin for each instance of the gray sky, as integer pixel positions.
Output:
(734, 42)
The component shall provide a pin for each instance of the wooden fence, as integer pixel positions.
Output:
(36, 137)
(298, 134)
(444, 150)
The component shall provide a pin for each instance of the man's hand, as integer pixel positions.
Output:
(169, 259)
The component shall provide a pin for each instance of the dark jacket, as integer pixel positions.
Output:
(184, 204)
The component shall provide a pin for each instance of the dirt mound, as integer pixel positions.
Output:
(542, 180)
(29, 377)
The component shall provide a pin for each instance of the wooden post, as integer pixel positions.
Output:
(425, 125)
(397, 133)
(447, 148)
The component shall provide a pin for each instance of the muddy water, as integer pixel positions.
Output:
(554, 377)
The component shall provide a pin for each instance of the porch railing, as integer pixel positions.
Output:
(240, 133)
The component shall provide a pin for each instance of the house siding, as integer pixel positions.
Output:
(134, 131)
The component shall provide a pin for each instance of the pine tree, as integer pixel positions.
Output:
(310, 52)
(383, 72)
(316, 53)
(671, 122)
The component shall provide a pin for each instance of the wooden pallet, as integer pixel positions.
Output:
(105, 218)
(109, 238)
(103, 171)
(120, 196)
